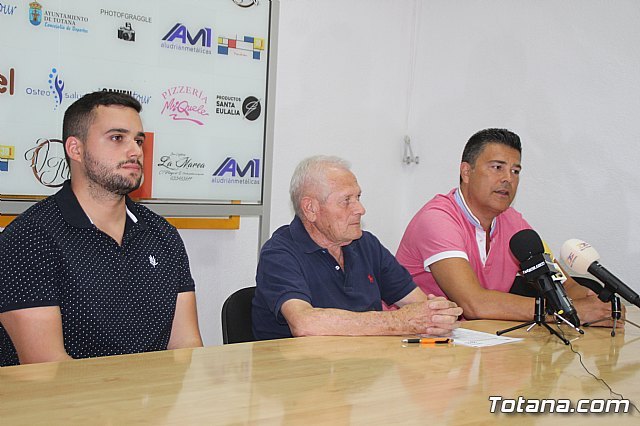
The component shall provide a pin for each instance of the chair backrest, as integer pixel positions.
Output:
(236, 317)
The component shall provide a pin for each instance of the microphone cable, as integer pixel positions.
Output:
(600, 379)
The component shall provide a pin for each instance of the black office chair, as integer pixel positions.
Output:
(236, 317)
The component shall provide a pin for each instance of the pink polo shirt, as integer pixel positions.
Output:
(445, 228)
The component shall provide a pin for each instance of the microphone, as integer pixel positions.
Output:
(537, 267)
(582, 258)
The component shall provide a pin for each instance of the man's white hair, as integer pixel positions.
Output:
(310, 175)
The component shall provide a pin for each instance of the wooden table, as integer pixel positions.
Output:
(329, 380)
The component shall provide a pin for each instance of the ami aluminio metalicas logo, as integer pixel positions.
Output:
(180, 38)
(231, 171)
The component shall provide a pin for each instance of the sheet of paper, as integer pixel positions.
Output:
(478, 339)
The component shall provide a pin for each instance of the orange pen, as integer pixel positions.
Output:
(430, 340)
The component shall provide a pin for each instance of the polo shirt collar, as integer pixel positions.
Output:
(74, 215)
(469, 215)
(302, 237)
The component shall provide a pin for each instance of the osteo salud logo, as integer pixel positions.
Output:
(185, 103)
(55, 90)
(180, 167)
(48, 163)
(56, 85)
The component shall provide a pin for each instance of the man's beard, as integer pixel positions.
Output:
(111, 182)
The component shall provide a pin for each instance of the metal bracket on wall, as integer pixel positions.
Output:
(408, 156)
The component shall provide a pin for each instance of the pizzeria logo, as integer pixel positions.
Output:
(185, 103)
(48, 162)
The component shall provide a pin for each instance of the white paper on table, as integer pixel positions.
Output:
(478, 339)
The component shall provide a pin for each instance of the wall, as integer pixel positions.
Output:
(563, 75)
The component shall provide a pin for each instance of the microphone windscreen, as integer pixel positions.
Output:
(578, 255)
(525, 244)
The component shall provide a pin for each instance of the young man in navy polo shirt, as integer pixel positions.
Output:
(87, 272)
(323, 275)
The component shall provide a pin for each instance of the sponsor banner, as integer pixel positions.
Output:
(207, 112)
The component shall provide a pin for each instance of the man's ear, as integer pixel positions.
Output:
(309, 207)
(73, 147)
(465, 171)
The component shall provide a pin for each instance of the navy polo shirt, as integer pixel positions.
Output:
(114, 299)
(293, 266)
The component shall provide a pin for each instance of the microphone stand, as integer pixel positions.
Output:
(607, 294)
(538, 319)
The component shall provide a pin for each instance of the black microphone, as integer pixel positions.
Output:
(583, 258)
(538, 268)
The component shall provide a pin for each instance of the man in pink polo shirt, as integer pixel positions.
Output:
(457, 245)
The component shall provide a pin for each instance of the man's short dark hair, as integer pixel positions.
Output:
(477, 142)
(81, 113)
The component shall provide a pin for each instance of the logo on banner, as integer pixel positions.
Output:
(180, 38)
(35, 13)
(185, 103)
(126, 33)
(249, 109)
(56, 19)
(56, 85)
(7, 153)
(7, 9)
(7, 82)
(48, 163)
(126, 16)
(247, 46)
(143, 99)
(246, 3)
(180, 167)
(233, 172)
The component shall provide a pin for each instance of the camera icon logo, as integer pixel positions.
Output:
(126, 33)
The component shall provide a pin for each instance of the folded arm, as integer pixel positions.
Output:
(417, 315)
(460, 283)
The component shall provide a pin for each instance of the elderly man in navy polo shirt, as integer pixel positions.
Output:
(323, 275)
(87, 272)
